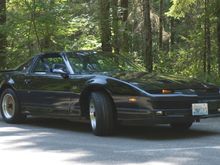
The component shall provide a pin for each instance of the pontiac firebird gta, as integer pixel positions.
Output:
(104, 89)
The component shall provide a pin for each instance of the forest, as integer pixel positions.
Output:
(175, 37)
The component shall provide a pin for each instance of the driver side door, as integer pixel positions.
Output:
(49, 93)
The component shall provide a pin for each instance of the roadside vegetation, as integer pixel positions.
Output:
(164, 36)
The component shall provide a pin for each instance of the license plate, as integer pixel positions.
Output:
(200, 109)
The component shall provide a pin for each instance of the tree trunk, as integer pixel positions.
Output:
(208, 33)
(124, 6)
(47, 44)
(218, 32)
(33, 20)
(218, 43)
(204, 53)
(172, 31)
(115, 26)
(207, 46)
(161, 25)
(3, 41)
(105, 28)
(147, 36)
(124, 18)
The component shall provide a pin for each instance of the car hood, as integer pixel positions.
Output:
(152, 82)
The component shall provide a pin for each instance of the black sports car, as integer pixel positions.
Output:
(93, 86)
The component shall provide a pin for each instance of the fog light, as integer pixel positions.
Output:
(159, 112)
(132, 100)
(218, 109)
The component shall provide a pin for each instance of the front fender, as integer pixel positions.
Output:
(6, 81)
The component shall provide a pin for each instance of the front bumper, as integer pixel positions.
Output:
(169, 110)
(179, 115)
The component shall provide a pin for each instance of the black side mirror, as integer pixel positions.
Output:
(65, 75)
(61, 72)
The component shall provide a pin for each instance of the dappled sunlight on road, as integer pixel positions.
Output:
(36, 157)
(42, 141)
(17, 146)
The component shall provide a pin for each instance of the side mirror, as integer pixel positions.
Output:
(61, 72)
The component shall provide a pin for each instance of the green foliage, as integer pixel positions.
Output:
(187, 57)
(180, 8)
(35, 26)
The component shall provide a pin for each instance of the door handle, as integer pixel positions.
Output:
(27, 81)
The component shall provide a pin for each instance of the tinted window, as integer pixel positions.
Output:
(81, 64)
(47, 64)
(100, 62)
(24, 67)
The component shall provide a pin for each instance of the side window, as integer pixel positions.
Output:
(47, 64)
(41, 67)
(56, 63)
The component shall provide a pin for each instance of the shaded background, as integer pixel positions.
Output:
(165, 36)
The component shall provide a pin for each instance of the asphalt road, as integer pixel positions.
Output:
(40, 141)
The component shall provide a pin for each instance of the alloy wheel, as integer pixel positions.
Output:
(8, 106)
(92, 114)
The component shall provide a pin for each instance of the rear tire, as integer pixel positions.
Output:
(181, 126)
(101, 112)
(10, 107)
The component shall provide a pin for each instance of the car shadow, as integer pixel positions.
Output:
(158, 132)
(161, 132)
(69, 138)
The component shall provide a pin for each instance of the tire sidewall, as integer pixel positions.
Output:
(103, 112)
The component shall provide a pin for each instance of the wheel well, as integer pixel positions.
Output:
(5, 86)
(84, 98)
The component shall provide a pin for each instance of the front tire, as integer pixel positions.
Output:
(10, 108)
(101, 112)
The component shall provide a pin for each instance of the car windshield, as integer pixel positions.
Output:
(100, 62)
(25, 66)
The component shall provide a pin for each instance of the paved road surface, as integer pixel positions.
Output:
(41, 142)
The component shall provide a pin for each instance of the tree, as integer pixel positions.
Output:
(172, 30)
(33, 20)
(197, 17)
(124, 6)
(218, 32)
(105, 25)
(161, 25)
(172, 33)
(115, 26)
(124, 18)
(132, 27)
(2, 33)
(207, 46)
(147, 51)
